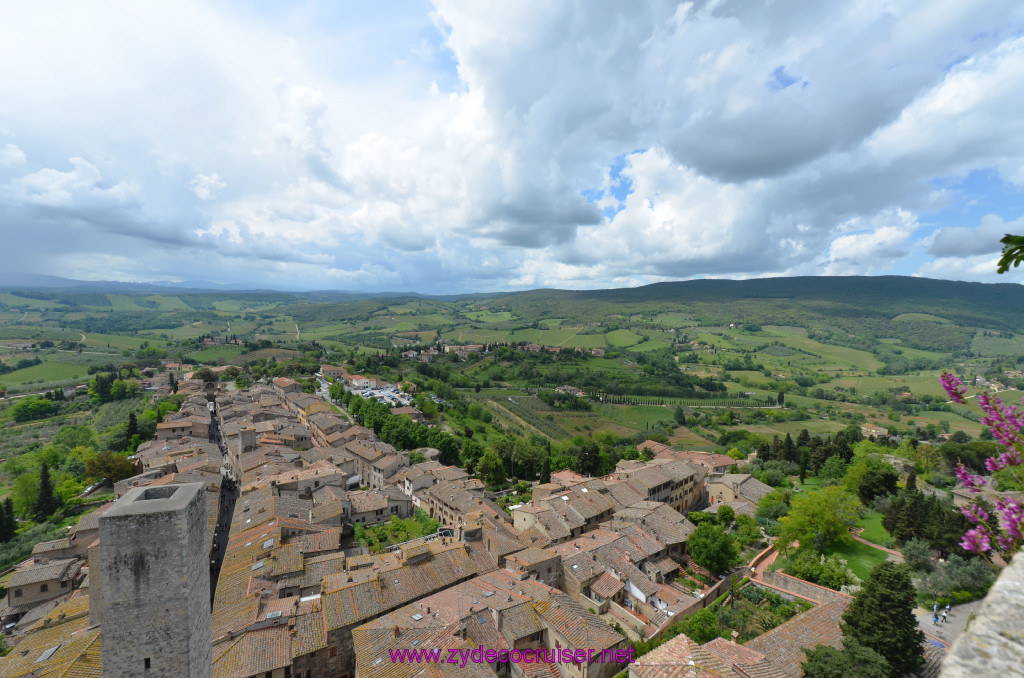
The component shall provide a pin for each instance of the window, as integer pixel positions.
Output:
(63, 584)
(43, 588)
(334, 652)
(394, 509)
(17, 593)
(145, 663)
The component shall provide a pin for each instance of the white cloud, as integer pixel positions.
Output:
(963, 241)
(207, 186)
(879, 243)
(451, 150)
(11, 156)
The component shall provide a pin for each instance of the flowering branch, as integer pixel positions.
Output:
(1006, 423)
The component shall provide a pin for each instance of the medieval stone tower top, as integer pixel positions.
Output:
(155, 607)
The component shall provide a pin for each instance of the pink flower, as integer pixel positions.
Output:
(977, 540)
(1004, 420)
(972, 482)
(1011, 516)
(974, 513)
(955, 388)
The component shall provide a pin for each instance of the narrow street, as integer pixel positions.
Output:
(229, 491)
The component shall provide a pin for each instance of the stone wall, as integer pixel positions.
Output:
(993, 644)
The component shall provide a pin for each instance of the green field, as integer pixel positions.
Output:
(622, 338)
(119, 341)
(25, 302)
(48, 372)
(489, 316)
(214, 353)
(997, 345)
(192, 330)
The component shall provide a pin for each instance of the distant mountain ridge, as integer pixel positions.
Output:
(965, 302)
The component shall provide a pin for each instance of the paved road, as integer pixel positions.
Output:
(947, 631)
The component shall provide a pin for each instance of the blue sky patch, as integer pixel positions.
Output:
(780, 80)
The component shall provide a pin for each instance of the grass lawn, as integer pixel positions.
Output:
(860, 557)
(811, 484)
(874, 532)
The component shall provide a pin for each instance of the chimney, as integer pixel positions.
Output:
(735, 635)
(396, 630)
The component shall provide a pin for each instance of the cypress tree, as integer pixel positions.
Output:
(788, 449)
(545, 470)
(5, 532)
(881, 618)
(133, 426)
(46, 503)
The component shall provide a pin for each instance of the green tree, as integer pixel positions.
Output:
(917, 554)
(204, 374)
(32, 407)
(133, 426)
(726, 515)
(109, 466)
(781, 398)
(881, 618)
(588, 460)
(774, 505)
(819, 519)
(491, 468)
(680, 415)
(6, 525)
(877, 484)
(834, 468)
(713, 548)
(701, 627)
(545, 470)
(853, 661)
(47, 502)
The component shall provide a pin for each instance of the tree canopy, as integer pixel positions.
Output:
(713, 548)
(820, 518)
(881, 618)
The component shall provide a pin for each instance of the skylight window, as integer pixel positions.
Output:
(47, 654)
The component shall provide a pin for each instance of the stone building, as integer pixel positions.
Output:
(153, 558)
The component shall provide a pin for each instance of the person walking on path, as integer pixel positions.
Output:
(944, 615)
(948, 608)
(935, 619)
(935, 607)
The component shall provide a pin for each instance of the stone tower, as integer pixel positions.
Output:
(155, 607)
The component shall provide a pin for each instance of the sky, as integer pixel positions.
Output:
(473, 145)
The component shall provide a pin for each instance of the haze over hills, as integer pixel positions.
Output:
(898, 294)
